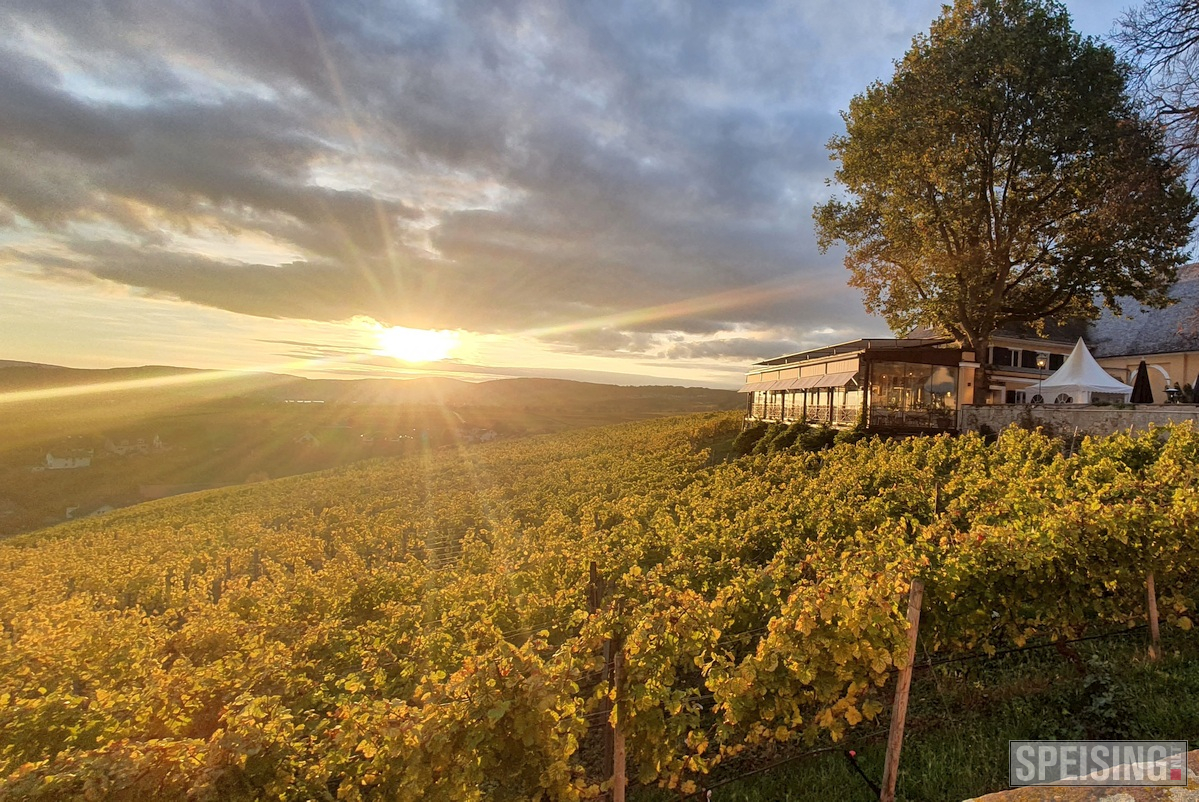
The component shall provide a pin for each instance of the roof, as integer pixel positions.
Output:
(1051, 331)
(854, 347)
(1081, 373)
(1152, 331)
(823, 381)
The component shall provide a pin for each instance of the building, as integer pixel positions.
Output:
(910, 384)
(76, 458)
(1016, 364)
(126, 447)
(904, 384)
(1167, 339)
(920, 382)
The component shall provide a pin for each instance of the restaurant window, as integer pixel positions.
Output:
(904, 386)
(1056, 361)
(1001, 357)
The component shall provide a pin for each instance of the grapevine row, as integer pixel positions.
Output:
(421, 627)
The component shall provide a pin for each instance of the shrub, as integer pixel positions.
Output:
(787, 437)
(747, 439)
(817, 439)
(763, 444)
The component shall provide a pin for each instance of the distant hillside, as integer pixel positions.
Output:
(521, 392)
(29, 375)
(16, 376)
(217, 428)
(12, 363)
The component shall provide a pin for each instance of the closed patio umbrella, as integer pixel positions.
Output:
(1142, 393)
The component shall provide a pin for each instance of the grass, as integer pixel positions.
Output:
(962, 716)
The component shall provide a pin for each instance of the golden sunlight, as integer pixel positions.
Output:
(416, 345)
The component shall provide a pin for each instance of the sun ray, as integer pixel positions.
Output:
(200, 377)
(714, 302)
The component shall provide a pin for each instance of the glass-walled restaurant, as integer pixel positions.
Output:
(887, 385)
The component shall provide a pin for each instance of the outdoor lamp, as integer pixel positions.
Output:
(1042, 361)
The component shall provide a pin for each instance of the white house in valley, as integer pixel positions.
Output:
(70, 459)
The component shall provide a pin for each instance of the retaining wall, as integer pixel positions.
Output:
(1064, 419)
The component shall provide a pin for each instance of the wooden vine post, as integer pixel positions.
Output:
(1155, 635)
(899, 710)
(597, 588)
(614, 745)
(619, 779)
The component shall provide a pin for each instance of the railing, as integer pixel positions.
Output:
(836, 416)
(882, 418)
(847, 416)
(817, 414)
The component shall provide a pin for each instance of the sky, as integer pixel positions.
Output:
(605, 191)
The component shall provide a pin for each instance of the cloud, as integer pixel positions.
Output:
(496, 167)
(742, 349)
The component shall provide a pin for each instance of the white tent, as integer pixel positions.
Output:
(1078, 379)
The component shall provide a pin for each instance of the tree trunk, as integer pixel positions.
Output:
(982, 375)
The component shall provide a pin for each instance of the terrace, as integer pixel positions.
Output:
(893, 385)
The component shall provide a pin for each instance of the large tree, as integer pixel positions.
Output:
(1161, 41)
(1004, 176)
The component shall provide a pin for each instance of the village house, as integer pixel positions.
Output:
(125, 447)
(76, 458)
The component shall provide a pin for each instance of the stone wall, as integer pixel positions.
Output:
(1064, 419)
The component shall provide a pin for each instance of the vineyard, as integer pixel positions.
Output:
(429, 627)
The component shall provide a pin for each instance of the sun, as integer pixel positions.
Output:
(416, 345)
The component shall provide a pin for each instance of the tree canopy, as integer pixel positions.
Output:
(1004, 176)
(1161, 40)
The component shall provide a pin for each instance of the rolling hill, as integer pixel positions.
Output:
(148, 431)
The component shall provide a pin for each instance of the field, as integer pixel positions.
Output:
(427, 626)
(203, 430)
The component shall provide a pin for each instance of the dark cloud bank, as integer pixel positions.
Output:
(493, 166)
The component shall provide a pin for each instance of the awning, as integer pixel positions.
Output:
(803, 383)
(834, 379)
(760, 387)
